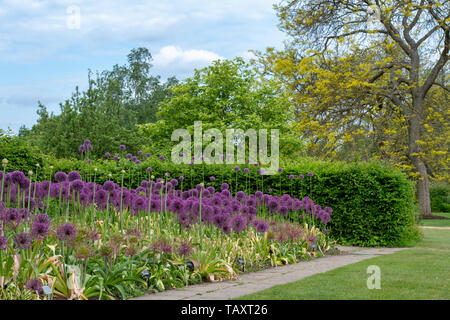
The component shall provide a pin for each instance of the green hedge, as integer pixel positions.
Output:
(440, 197)
(373, 204)
(20, 154)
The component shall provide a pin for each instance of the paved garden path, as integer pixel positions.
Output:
(431, 227)
(256, 281)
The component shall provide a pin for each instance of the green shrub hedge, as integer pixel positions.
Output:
(20, 154)
(440, 197)
(373, 204)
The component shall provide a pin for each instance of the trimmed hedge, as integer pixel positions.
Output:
(373, 204)
(440, 197)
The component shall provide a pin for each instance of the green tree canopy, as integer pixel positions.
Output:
(226, 95)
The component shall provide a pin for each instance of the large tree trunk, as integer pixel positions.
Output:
(423, 184)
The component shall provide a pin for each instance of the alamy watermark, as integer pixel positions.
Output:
(73, 20)
(236, 140)
(374, 280)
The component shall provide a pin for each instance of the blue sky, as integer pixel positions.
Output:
(45, 53)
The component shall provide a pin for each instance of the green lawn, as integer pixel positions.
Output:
(437, 223)
(422, 272)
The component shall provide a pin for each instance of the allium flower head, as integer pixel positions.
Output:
(246, 170)
(60, 176)
(116, 158)
(291, 177)
(262, 227)
(301, 176)
(74, 175)
(39, 230)
(148, 154)
(122, 147)
(237, 168)
(280, 169)
(212, 178)
(67, 232)
(107, 155)
(162, 158)
(310, 174)
(23, 241)
(184, 249)
(3, 243)
(140, 153)
(34, 285)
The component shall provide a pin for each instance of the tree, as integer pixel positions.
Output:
(365, 69)
(225, 95)
(107, 112)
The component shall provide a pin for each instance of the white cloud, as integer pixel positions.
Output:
(171, 54)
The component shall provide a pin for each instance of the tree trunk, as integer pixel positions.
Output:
(423, 184)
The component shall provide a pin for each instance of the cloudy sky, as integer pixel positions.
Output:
(46, 47)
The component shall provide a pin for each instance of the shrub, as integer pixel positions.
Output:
(440, 197)
(20, 154)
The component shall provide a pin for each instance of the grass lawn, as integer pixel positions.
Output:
(437, 223)
(422, 272)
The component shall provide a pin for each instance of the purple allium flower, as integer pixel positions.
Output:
(191, 163)
(140, 153)
(3, 243)
(246, 170)
(280, 170)
(12, 217)
(325, 231)
(184, 249)
(238, 223)
(138, 162)
(256, 164)
(262, 227)
(148, 154)
(81, 148)
(273, 205)
(34, 285)
(237, 168)
(291, 176)
(301, 176)
(87, 142)
(226, 228)
(107, 155)
(134, 158)
(284, 211)
(181, 178)
(41, 218)
(116, 158)
(224, 186)
(23, 241)
(261, 171)
(39, 230)
(162, 158)
(74, 175)
(88, 161)
(270, 190)
(60, 176)
(312, 239)
(67, 232)
(129, 156)
(182, 155)
(77, 185)
(149, 169)
(122, 147)
(109, 186)
(310, 174)
(212, 178)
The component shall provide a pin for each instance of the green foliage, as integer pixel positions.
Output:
(20, 154)
(226, 95)
(440, 197)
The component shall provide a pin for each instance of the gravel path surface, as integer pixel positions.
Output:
(256, 281)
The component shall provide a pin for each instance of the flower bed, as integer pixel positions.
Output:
(84, 240)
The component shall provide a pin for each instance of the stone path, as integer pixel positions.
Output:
(256, 281)
(431, 227)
